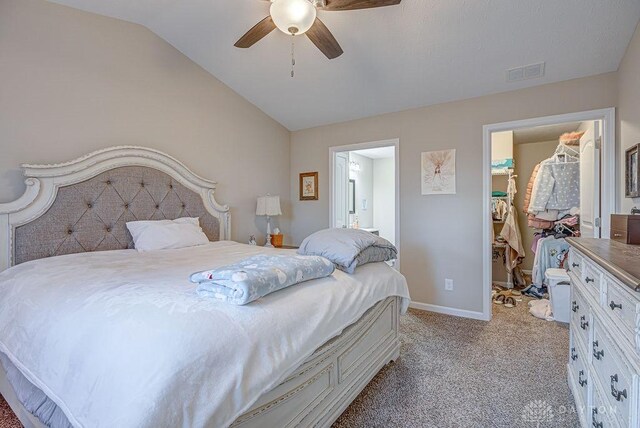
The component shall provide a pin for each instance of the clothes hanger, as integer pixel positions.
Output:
(569, 154)
(560, 228)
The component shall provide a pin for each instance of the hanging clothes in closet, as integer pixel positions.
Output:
(550, 253)
(510, 233)
(552, 203)
(557, 186)
(553, 191)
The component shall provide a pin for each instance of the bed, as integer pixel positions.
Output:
(113, 337)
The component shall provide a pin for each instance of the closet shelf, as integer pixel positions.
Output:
(501, 172)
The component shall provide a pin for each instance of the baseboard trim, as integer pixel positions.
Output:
(449, 311)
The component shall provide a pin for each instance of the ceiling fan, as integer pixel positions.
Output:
(295, 17)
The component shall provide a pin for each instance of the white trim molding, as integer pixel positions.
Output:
(448, 311)
(608, 178)
(43, 182)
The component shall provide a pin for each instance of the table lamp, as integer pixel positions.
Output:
(269, 206)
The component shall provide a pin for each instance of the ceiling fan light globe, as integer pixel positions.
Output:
(293, 16)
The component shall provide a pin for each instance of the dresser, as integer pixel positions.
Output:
(604, 351)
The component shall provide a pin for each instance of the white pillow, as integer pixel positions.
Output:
(167, 234)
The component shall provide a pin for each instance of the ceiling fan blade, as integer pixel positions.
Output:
(358, 4)
(320, 35)
(258, 31)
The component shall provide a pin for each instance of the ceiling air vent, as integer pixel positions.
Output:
(526, 72)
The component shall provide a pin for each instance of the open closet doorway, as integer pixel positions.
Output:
(364, 189)
(546, 179)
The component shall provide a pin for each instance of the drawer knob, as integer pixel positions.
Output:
(617, 235)
(575, 265)
(595, 422)
(597, 354)
(583, 324)
(613, 305)
(581, 381)
(618, 395)
(575, 306)
(588, 280)
(574, 356)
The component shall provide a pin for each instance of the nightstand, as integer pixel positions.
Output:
(289, 247)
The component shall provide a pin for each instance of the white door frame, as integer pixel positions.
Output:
(395, 142)
(607, 189)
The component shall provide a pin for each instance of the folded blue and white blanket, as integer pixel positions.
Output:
(257, 276)
(348, 248)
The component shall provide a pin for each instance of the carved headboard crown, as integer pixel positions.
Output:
(83, 205)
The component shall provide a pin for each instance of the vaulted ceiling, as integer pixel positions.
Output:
(419, 53)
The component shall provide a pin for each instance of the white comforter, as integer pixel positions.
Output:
(121, 339)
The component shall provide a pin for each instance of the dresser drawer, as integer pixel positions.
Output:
(575, 262)
(615, 376)
(592, 278)
(601, 413)
(578, 368)
(623, 308)
(580, 317)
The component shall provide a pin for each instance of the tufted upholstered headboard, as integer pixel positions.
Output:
(83, 205)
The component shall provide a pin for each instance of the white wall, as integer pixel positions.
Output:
(72, 82)
(441, 236)
(384, 197)
(364, 189)
(628, 113)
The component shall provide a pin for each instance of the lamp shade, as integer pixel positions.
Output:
(293, 16)
(268, 205)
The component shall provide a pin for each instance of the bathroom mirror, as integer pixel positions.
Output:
(352, 196)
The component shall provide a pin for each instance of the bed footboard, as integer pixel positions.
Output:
(319, 391)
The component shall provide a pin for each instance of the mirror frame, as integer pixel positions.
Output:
(352, 196)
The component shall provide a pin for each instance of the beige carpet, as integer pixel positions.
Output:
(455, 372)
(7, 418)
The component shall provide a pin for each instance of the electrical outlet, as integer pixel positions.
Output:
(448, 284)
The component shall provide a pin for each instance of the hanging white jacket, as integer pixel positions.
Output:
(556, 187)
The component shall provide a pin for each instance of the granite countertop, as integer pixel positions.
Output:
(620, 260)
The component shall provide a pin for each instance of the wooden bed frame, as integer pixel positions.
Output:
(316, 393)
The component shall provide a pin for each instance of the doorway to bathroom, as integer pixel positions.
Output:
(365, 188)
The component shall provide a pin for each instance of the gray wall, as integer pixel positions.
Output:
(629, 111)
(72, 82)
(440, 236)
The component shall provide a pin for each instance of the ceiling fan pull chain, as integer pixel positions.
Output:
(293, 58)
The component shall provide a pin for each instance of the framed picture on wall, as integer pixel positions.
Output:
(308, 186)
(439, 172)
(632, 174)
